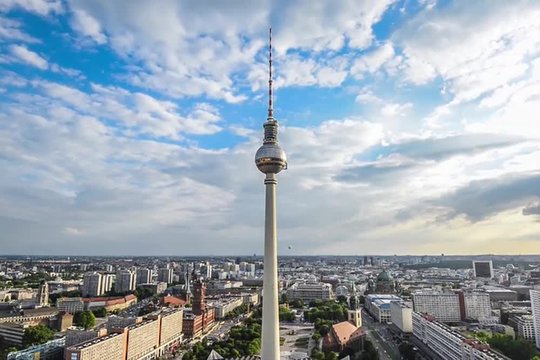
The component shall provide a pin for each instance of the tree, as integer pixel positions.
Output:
(102, 312)
(297, 304)
(514, 349)
(37, 335)
(85, 319)
(317, 354)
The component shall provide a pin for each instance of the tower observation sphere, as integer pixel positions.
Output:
(270, 158)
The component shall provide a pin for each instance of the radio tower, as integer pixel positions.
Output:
(270, 159)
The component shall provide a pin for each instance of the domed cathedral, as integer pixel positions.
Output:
(385, 284)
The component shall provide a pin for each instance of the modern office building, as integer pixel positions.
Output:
(447, 344)
(92, 284)
(144, 276)
(378, 305)
(483, 269)
(401, 316)
(125, 281)
(535, 305)
(310, 290)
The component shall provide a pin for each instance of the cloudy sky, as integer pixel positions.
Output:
(130, 127)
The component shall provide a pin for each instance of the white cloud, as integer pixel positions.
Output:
(475, 48)
(41, 7)
(367, 96)
(301, 72)
(88, 26)
(11, 30)
(29, 57)
(373, 61)
(395, 109)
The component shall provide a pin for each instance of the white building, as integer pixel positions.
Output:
(92, 285)
(525, 327)
(449, 344)
(378, 305)
(225, 306)
(401, 316)
(477, 306)
(125, 281)
(144, 276)
(535, 305)
(107, 281)
(444, 307)
(310, 290)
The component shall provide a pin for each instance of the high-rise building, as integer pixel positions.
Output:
(444, 307)
(107, 281)
(144, 276)
(535, 305)
(43, 293)
(92, 285)
(453, 307)
(477, 305)
(401, 316)
(483, 268)
(165, 275)
(525, 327)
(270, 160)
(125, 281)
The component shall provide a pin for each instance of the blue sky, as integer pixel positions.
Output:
(129, 127)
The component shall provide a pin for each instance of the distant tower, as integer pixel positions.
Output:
(199, 298)
(355, 317)
(43, 293)
(354, 314)
(270, 159)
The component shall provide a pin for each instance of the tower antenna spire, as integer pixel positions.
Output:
(270, 92)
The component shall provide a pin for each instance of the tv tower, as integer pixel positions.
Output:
(270, 159)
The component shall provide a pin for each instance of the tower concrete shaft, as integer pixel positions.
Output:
(270, 159)
(270, 322)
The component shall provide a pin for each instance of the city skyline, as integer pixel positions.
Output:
(409, 127)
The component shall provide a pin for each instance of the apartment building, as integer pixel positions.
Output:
(444, 343)
(525, 327)
(109, 347)
(535, 305)
(444, 307)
